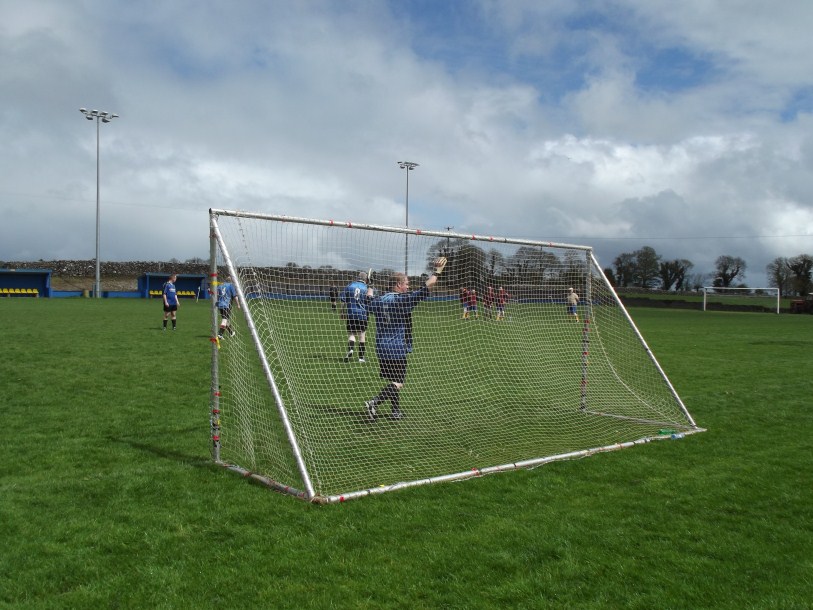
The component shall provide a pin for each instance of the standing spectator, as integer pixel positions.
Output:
(572, 302)
(171, 303)
(354, 297)
(391, 311)
(226, 293)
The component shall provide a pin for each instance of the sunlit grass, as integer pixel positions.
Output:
(108, 497)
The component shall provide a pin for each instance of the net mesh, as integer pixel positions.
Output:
(501, 373)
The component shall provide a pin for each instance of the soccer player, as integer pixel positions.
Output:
(171, 303)
(473, 303)
(391, 311)
(488, 302)
(572, 301)
(464, 301)
(226, 293)
(502, 299)
(334, 295)
(354, 297)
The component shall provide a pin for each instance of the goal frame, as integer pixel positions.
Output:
(219, 248)
(715, 290)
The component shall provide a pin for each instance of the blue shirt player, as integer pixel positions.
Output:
(393, 317)
(171, 303)
(226, 293)
(354, 298)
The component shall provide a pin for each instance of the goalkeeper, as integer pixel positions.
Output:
(392, 313)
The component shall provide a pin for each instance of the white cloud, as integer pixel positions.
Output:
(687, 125)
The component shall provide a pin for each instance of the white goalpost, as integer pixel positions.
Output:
(744, 299)
(506, 369)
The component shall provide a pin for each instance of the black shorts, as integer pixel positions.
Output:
(393, 370)
(170, 308)
(356, 326)
(225, 312)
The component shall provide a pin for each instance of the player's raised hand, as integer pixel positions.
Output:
(440, 265)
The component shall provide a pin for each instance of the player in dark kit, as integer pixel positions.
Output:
(392, 312)
(354, 297)
(171, 303)
(334, 295)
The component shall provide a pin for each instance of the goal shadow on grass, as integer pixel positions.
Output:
(198, 461)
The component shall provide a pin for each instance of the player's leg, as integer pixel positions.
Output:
(351, 346)
(393, 371)
(224, 322)
(362, 343)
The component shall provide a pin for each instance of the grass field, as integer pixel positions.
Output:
(108, 498)
(480, 394)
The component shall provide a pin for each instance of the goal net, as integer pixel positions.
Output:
(504, 372)
(764, 300)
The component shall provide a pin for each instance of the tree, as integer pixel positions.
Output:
(495, 263)
(694, 281)
(624, 269)
(682, 282)
(531, 264)
(779, 275)
(470, 265)
(673, 273)
(801, 266)
(647, 266)
(728, 268)
(608, 271)
(451, 249)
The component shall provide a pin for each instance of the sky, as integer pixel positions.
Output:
(684, 126)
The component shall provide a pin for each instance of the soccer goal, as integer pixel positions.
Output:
(741, 299)
(519, 380)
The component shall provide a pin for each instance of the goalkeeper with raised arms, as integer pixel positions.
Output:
(392, 312)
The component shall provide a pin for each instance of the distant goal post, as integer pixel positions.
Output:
(494, 383)
(744, 299)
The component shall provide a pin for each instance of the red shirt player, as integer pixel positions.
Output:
(502, 299)
(464, 302)
(473, 302)
(488, 300)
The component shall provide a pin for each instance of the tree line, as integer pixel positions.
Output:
(645, 268)
(470, 266)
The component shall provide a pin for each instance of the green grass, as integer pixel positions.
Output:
(108, 498)
(479, 394)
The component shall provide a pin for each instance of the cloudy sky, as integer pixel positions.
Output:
(685, 126)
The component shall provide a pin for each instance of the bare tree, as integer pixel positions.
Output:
(673, 273)
(728, 269)
(495, 263)
(779, 275)
(801, 266)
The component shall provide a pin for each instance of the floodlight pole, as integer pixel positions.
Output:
(408, 166)
(103, 117)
